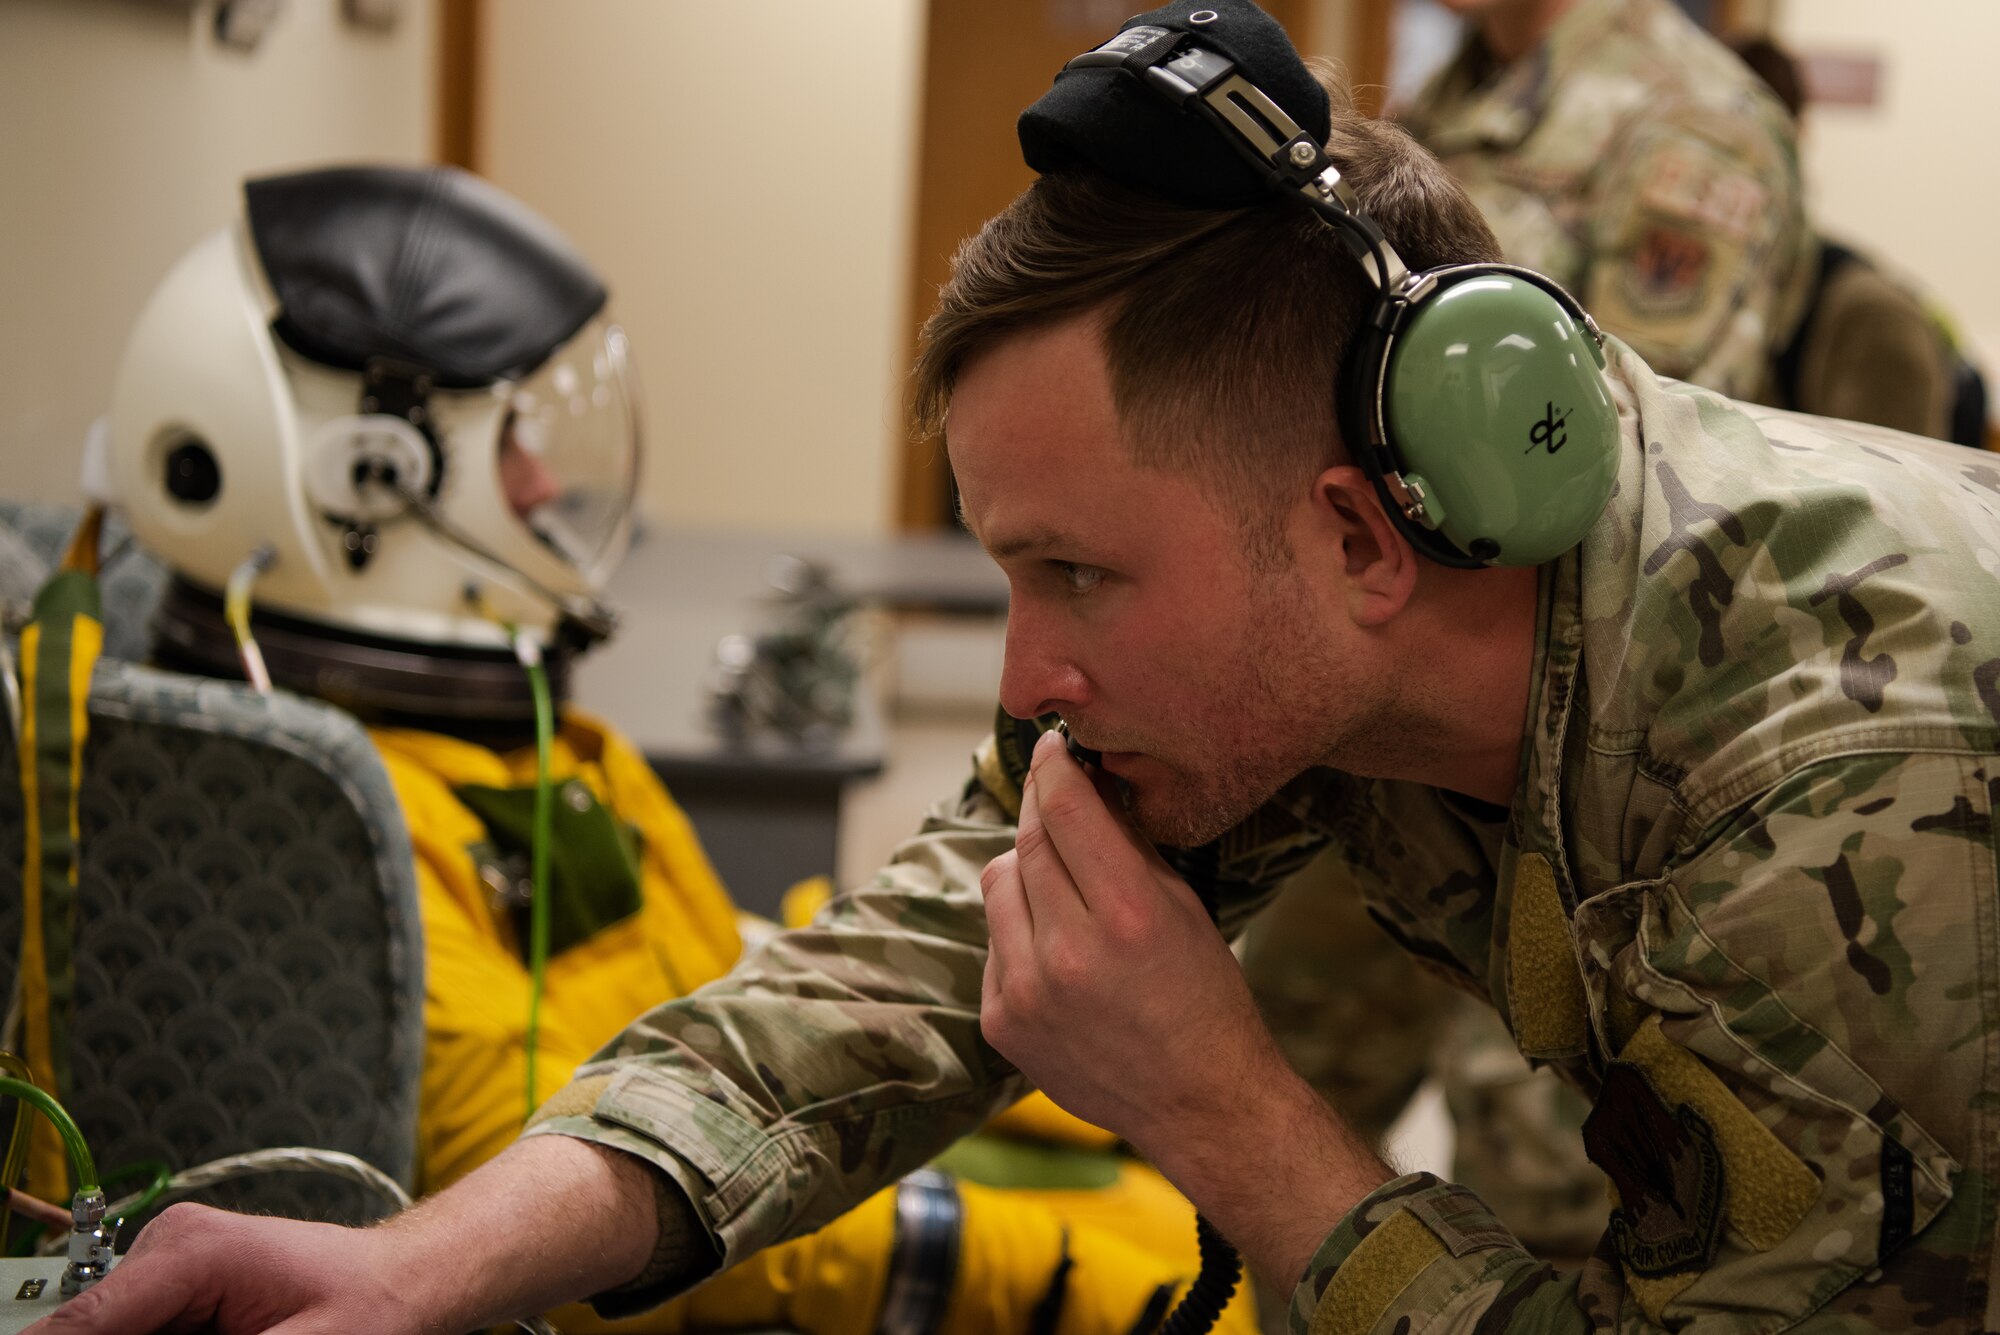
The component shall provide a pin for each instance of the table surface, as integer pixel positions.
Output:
(680, 590)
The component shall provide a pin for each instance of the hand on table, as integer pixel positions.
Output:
(197, 1270)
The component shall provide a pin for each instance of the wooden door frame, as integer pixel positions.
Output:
(457, 137)
(982, 64)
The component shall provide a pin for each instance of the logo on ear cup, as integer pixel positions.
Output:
(1550, 433)
(1492, 355)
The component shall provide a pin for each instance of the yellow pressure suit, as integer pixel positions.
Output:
(1070, 1238)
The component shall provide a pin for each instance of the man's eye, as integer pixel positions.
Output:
(1079, 578)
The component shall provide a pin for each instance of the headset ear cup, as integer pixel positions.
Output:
(1355, 412)
(1496, 397)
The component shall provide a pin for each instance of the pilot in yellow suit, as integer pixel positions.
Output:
(1127, 1236)
(416, 463)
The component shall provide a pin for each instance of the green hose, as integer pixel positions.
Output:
(17, 1142)
(158, 1177)
(529, 653)
(538, 913)
(79, 1153)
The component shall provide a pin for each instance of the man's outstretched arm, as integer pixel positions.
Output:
(552, 1220)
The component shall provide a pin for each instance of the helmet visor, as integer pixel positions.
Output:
(569, 449)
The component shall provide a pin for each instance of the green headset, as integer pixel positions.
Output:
(1474, 396)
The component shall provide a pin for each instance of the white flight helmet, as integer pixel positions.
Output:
(399, 384)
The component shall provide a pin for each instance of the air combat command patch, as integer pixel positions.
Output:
(1667, 1169)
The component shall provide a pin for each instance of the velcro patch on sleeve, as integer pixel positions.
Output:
(1382, 1266)
(576, 1099)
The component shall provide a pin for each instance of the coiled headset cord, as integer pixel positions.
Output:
(1214, 1285)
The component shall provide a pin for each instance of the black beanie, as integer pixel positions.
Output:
(1105, 119)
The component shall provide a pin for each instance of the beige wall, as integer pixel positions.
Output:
(741, 173)
(127, 133)
(1915, 179)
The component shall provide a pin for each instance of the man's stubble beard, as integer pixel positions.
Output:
(1292, 715)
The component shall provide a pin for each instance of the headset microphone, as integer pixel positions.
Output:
(1473, 395)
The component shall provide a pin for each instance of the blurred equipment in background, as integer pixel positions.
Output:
(798, 677)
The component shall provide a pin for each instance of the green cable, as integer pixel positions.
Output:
(17, 1143)
(538, 913)
(79, 1153)
(529, 653)
(162, 1177)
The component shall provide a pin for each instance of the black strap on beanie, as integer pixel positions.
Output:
(1097, 117)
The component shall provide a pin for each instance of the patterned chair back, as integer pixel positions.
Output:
(33, 536)
(249, 958)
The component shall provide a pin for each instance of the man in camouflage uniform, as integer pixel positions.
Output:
(1616, 147)
(1619, 149)
(1703, 807)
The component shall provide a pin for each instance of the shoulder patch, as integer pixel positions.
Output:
(1667, 1170)
(1710, 192)
(1669, 267)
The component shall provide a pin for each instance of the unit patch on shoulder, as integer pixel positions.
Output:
(1667, 1169)
(1669, 267)
(1702, 188)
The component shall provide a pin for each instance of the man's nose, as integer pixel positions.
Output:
(1039, 677)
(528, 482)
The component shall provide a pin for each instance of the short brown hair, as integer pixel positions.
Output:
(1223, 329)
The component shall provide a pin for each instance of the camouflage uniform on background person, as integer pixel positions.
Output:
(1519, 1143)
(1354, 1015)
(1639, 163)
(1636, 161)
(1744, 899)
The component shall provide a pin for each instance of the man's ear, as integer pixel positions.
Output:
(1378, 563)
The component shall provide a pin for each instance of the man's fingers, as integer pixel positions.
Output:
(134, 1299)
(1010, 926)
(1051, 891)
(1099, 852)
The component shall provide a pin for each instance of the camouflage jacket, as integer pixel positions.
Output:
(1639, 163)
(1745, 898)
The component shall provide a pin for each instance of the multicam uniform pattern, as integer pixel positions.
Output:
(1639, 163)
(1745, 900)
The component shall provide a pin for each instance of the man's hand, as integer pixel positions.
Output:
(1109, 987)
(1106, 983)
(197, 1269)
(552, 1220)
